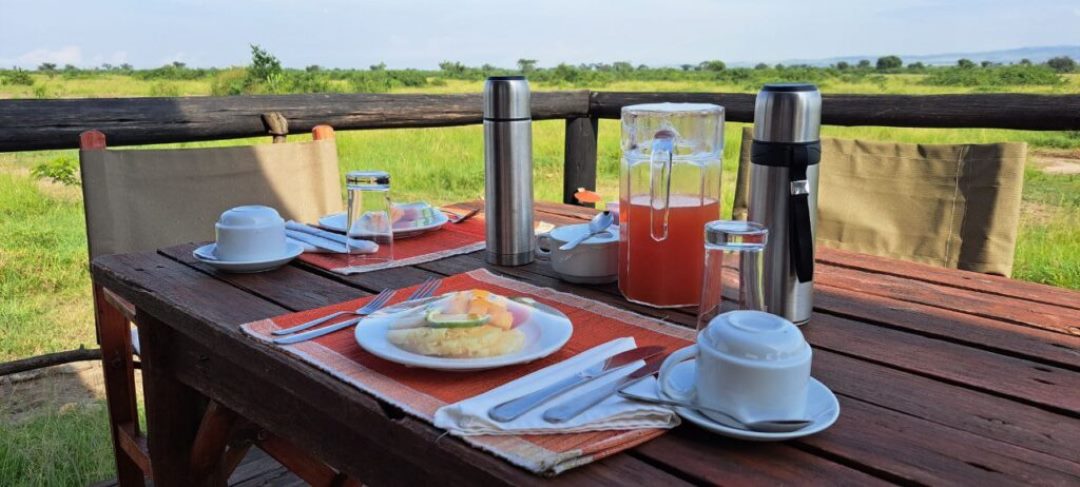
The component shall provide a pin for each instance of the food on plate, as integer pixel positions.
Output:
(463, 324)
(411, 214)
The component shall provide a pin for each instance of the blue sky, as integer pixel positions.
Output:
(420, 34)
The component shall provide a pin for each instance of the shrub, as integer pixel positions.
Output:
(229, 82)
(1016, 75)
(1062, 64)
(62, 169)
(18, 77)
(164, 89)
(887, 63)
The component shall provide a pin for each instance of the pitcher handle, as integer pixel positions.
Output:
(660, 166)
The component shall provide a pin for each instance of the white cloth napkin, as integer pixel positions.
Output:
(469, 417)
(318, 240)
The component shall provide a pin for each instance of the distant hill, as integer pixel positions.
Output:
(1035, 54)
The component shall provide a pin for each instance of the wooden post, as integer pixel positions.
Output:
(115, 337)
(579, 167)
(173, 410)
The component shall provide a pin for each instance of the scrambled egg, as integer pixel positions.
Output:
(471, 342)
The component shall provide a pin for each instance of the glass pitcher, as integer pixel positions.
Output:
(669, 188)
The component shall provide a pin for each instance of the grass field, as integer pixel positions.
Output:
(44, 284)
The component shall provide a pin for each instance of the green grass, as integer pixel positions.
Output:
(44, 284)
(69, 447)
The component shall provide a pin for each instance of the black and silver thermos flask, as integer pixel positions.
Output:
(508, 201)
(783, 193)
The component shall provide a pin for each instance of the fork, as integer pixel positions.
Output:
(426, 289)
(368, 308)
(456, 218)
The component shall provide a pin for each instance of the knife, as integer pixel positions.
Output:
(570, 409)
(514, 408)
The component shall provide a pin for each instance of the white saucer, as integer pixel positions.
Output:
(205, 254)
(821, 406)
(336, 222)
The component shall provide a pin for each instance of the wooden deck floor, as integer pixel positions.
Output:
(257, 469)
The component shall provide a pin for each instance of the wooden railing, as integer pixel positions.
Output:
(55, 124)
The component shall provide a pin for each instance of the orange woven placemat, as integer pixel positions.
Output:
(421, 392)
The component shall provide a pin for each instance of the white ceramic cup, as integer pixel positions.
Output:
(751, 364)
(250, 233)
(594, 261)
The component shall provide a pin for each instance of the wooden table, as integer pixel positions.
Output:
(943, 377)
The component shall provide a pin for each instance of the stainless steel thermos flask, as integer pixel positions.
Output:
(508, 203)
(783, 193)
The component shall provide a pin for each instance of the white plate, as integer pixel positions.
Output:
(205, 254)
(821, 406)
(544, 332)
(336, 222)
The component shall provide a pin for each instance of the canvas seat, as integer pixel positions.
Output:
(953, 206)
(142, 200)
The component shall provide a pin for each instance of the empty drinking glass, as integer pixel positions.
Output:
(742, 244)
(369, 218)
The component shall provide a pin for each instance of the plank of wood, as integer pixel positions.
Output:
(715, 460)
(918, 451)
(975, 331)
(1000, 308)
(972, 281)
(579, 164)
(56, 124)
(997, 110)
(297, 287)
(945, 404)
(1021, 380)
(174, 407)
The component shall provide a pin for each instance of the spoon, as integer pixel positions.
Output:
(765, 426)
(599, 223)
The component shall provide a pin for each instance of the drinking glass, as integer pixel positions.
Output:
(369, 218)
(742, 245)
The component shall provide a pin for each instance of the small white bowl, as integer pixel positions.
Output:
(250, 233)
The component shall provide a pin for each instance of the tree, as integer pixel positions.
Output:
(622, 66)
(179, 65)
(1025, 62)
(1062, 64)
(965, 63)
(713, 65)
(526, 65)
(70, 68)
(686, 67)
(886, 63)
(47, 67)
(378, 67)
(986, 64)
(864, 64)
(265, 68)
(842, 65)
(761, 66)
(916, 66)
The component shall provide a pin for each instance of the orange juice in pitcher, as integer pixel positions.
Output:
(669, 189)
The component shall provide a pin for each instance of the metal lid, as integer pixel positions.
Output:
(507, 98)
(787, 112)
(736, 235)
(367, 179)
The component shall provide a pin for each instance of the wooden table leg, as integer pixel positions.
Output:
(173, 409)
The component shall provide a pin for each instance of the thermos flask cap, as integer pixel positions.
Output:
(506, 98)
(787, 113)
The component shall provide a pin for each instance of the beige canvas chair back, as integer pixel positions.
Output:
(138, 200)
(954, 206)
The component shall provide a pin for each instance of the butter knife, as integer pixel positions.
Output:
(514, 408)
(573, 407)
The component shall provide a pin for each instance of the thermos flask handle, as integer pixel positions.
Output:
(660, 162)
(799, 232)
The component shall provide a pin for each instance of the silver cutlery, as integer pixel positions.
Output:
(599, 223)
(573, 407)
(378, 302)
(514, 408)
(456, 218)
(425, 290)
(765, 426)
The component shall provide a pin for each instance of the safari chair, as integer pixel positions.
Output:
(141, 200)
(953, 206)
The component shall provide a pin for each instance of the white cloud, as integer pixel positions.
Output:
(62, 56)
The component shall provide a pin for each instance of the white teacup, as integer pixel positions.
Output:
(250, 233)
(751, 364)
(594, 261)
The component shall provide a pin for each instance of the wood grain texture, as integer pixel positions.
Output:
(56, 124)
(579, 165)
(931, 392)
(1010, 111)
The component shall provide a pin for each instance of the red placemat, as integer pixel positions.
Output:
(451, 239)
(421, 392)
